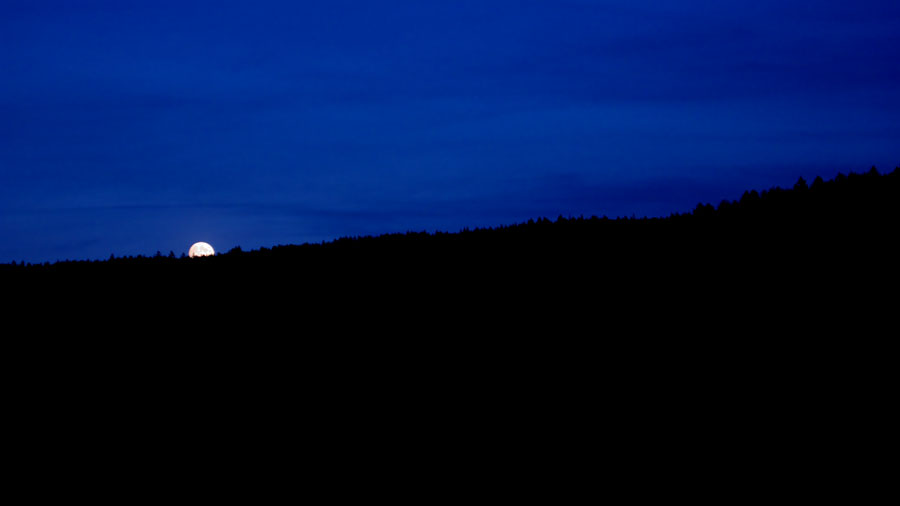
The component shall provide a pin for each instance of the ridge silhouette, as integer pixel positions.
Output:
(803, 209)
(736, 330)
(790, 247)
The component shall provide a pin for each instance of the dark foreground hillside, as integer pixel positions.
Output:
(798, 262)
(735, 349)
(811, 247)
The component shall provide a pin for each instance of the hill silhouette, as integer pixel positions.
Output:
(776, 231)
(812, 244)
(725, 334)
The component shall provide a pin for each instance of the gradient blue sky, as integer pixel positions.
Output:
(129, 127)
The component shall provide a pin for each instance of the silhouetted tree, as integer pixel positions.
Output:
(704, 210)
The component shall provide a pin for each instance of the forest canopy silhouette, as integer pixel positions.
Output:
(813, 262)
(729, 321)
(808, 211)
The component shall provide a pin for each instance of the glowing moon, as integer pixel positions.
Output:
(201, 249)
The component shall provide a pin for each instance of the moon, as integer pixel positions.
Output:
(201, 249)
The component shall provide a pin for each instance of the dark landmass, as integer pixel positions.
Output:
(815, 245)
(776, 255)
(740, 340)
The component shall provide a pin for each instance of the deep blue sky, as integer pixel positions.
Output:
(129, 127)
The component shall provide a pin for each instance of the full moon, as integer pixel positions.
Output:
(201, 249)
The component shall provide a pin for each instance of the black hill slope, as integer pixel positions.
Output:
(810, 246)
(720, 339)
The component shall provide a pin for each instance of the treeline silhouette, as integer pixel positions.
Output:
(772, 233)
(812, 240)
(848, 201)
(735, 330)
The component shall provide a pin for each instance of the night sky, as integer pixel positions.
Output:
(128, 127)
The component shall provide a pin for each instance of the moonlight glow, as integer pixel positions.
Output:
(201, 249)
